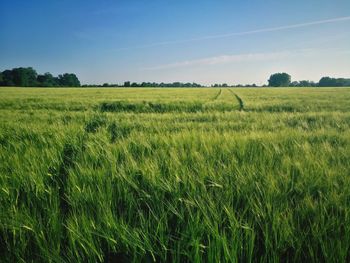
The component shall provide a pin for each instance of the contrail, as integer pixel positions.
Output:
(224, 59)
(271, 29)
(247, 57)
(227, 35)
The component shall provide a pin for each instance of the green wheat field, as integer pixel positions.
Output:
(174, 175)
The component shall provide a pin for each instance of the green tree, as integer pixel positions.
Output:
(24, 77)
(303, 83)
(306, 83)
(333, 82)
(47, 80)
(326, 82)
(7, 78)
(279, 80)
(68, 80)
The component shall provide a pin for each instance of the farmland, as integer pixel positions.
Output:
(175, 174)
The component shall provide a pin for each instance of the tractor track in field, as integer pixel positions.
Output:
(239, 99)
(217, 95)
(214, 98)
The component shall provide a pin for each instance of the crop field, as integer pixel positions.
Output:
(174, 175)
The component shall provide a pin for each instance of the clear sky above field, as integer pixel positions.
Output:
(183, 40)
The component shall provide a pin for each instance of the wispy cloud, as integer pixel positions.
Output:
(225, 59)
(266, 56)
(251, 32)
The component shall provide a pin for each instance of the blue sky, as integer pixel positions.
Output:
(180, 40)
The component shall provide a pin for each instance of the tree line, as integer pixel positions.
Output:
(128, 84)
(284, 80)
(28, 77)
(275, 80)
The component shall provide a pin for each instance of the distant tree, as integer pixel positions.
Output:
(333, 82)
(24, 77)
(105, 85)
(127, 84)
(326, 82)
(345, 82)
(7, 78)
(303, 83)
(306, 83)
(28, 77)
(47, 80)
(279, 80)
(294, 84)
(68, 80)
